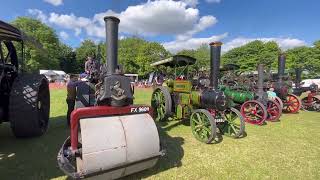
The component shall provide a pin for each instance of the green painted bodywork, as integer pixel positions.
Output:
(184, 98)
(195, 98)
(182, 86)
(179, 111)
(237, 96)
(187, 98)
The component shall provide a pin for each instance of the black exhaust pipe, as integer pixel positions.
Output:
(260, 79)
(112, 24)
(281, 65)
(298, 72)
(215, 52)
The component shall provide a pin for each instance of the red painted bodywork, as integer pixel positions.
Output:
(310, 97)
(98, 111)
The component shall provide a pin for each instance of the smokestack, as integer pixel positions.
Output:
(112, 24)
(215, 52)
(260, 78)
(281, 65)
(298, 76)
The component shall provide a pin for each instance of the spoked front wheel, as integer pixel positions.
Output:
(313, 105)
(254, 112)
(279, 101)
(203, 126)
(292, 104)
(274, 111)
(234, 124)
(161, 103)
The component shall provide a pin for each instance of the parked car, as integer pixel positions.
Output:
(308, 82)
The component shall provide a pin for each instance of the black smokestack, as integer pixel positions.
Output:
(215, 52)
(281, 65)
(298, 76)
(112, 24)
(260, 78)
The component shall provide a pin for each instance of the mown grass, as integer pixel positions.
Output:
(288, 149)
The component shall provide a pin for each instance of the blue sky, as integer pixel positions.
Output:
(184, 24)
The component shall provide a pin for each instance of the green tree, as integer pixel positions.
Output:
(67, 58)
(136, 54)
(304, 58)
(148, 53)
(34, 58)
(202, 54)
(250, 55)
(128, 53)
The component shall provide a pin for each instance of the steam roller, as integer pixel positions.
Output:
(110, 137)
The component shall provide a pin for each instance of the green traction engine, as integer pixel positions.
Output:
(206, 108)
(249, 95)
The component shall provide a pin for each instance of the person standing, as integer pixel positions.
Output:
(90, 65)
(71, 94)
(92, 70)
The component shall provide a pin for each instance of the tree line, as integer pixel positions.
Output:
(136, 54)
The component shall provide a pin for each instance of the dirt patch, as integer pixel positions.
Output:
(57, 85)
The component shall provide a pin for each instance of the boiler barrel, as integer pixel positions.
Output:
(117, 146)
(237, 96)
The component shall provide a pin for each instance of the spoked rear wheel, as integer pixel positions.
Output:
(161, 103)
(203, 126)
(274, 111)
(254, 112)
(234, 124)
(314, 105)
(279, 101)
(292, 104)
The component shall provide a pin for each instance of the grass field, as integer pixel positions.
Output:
(289, 149)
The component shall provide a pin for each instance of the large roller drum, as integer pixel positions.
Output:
(112, 147)
(120, 145)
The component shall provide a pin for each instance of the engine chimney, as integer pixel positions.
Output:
(260, 79)
(112, 24)
(298, 72)
(215, 52)
(281, 65)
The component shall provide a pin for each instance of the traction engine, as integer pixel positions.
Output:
(252, 100)
(290, 102)
(106, 137)
(312, 101)
(206, 108)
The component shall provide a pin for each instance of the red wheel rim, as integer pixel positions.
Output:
(273, 110)
(253, 112)
(292, 104)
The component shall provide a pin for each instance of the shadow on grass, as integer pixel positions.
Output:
(32, 158)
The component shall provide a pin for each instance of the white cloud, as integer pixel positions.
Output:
(192, 3)
(160, 17)
(64, 35)
(213, 1)
(77, 31)
(156, 17)
(192, 43)
(204, 23)
(38, 14)
(284, 43)
(68, 21)
(54, 2)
